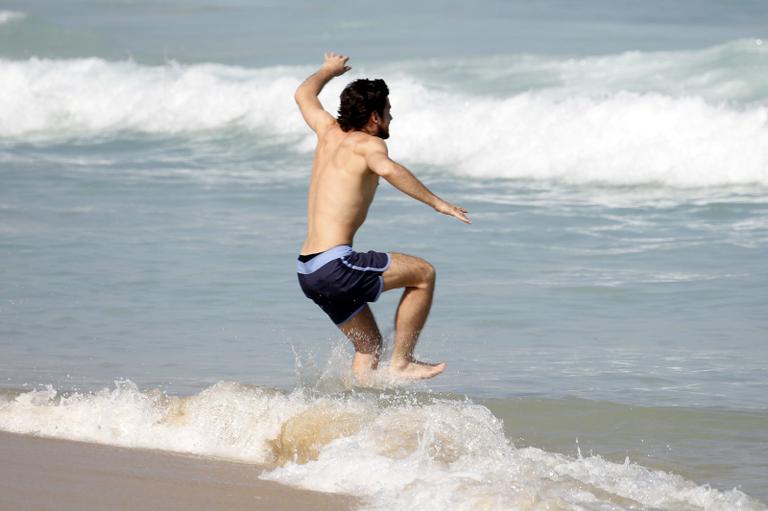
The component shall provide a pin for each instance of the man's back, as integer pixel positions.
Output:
(341, 189)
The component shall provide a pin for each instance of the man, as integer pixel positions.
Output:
(349, 159)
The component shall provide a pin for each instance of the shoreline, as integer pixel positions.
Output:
(42, 473)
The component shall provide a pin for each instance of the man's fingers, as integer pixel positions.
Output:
(464, 218)
(459, 213)
(331, 55)
(337, 62)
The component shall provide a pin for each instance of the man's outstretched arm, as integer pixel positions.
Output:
(306, 95)
(378, 161)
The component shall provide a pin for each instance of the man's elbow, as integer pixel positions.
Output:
(302, 94)
(298, 96)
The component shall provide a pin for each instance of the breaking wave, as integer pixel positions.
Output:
(596, 128)
(394, 450)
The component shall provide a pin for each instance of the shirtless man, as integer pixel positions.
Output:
(349, 159)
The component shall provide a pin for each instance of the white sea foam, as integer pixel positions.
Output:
(224, 420)
(394, 451)
(617, 138)
(623, 139)
(731, 72)
(6, 16)
(54, 99)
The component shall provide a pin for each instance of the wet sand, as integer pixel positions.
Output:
(62, 475)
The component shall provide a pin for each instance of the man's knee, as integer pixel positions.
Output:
(428, 273)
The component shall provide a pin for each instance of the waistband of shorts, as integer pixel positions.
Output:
(322, 259)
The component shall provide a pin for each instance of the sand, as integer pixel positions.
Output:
(51, 474)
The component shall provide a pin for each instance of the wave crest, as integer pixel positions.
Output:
(623, 139)
(619, 138)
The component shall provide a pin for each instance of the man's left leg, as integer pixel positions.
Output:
(417, 276)
(364, 333)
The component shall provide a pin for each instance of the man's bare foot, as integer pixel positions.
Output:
(415, 370)
(363, 366)
(363, 378)
(365, 361)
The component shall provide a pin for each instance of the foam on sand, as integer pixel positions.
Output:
(393, 450)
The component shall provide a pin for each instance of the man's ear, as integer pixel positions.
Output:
(375, 117)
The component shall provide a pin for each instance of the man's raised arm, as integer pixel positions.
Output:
(377, 158)
(306, 95)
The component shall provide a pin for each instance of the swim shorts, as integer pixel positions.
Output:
(341, 281)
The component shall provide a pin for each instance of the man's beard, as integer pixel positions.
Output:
(383, 133)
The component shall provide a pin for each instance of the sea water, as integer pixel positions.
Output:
(603, 319)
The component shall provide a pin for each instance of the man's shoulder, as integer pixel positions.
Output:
(358, 142)
(328, 127)
(366, 144)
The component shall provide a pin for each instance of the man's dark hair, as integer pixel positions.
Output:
(359, 100)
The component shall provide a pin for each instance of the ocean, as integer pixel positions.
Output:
(604, 319)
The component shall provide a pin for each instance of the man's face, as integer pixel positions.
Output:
(384, 122)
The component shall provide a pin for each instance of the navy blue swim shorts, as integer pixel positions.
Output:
(341, 281)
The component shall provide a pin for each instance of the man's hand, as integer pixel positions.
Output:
(336, 64)
(449, 209)
(306, 95)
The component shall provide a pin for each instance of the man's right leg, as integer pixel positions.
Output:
(417, 276)
(364, 333)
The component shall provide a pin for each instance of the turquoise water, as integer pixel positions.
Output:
(608, 301)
